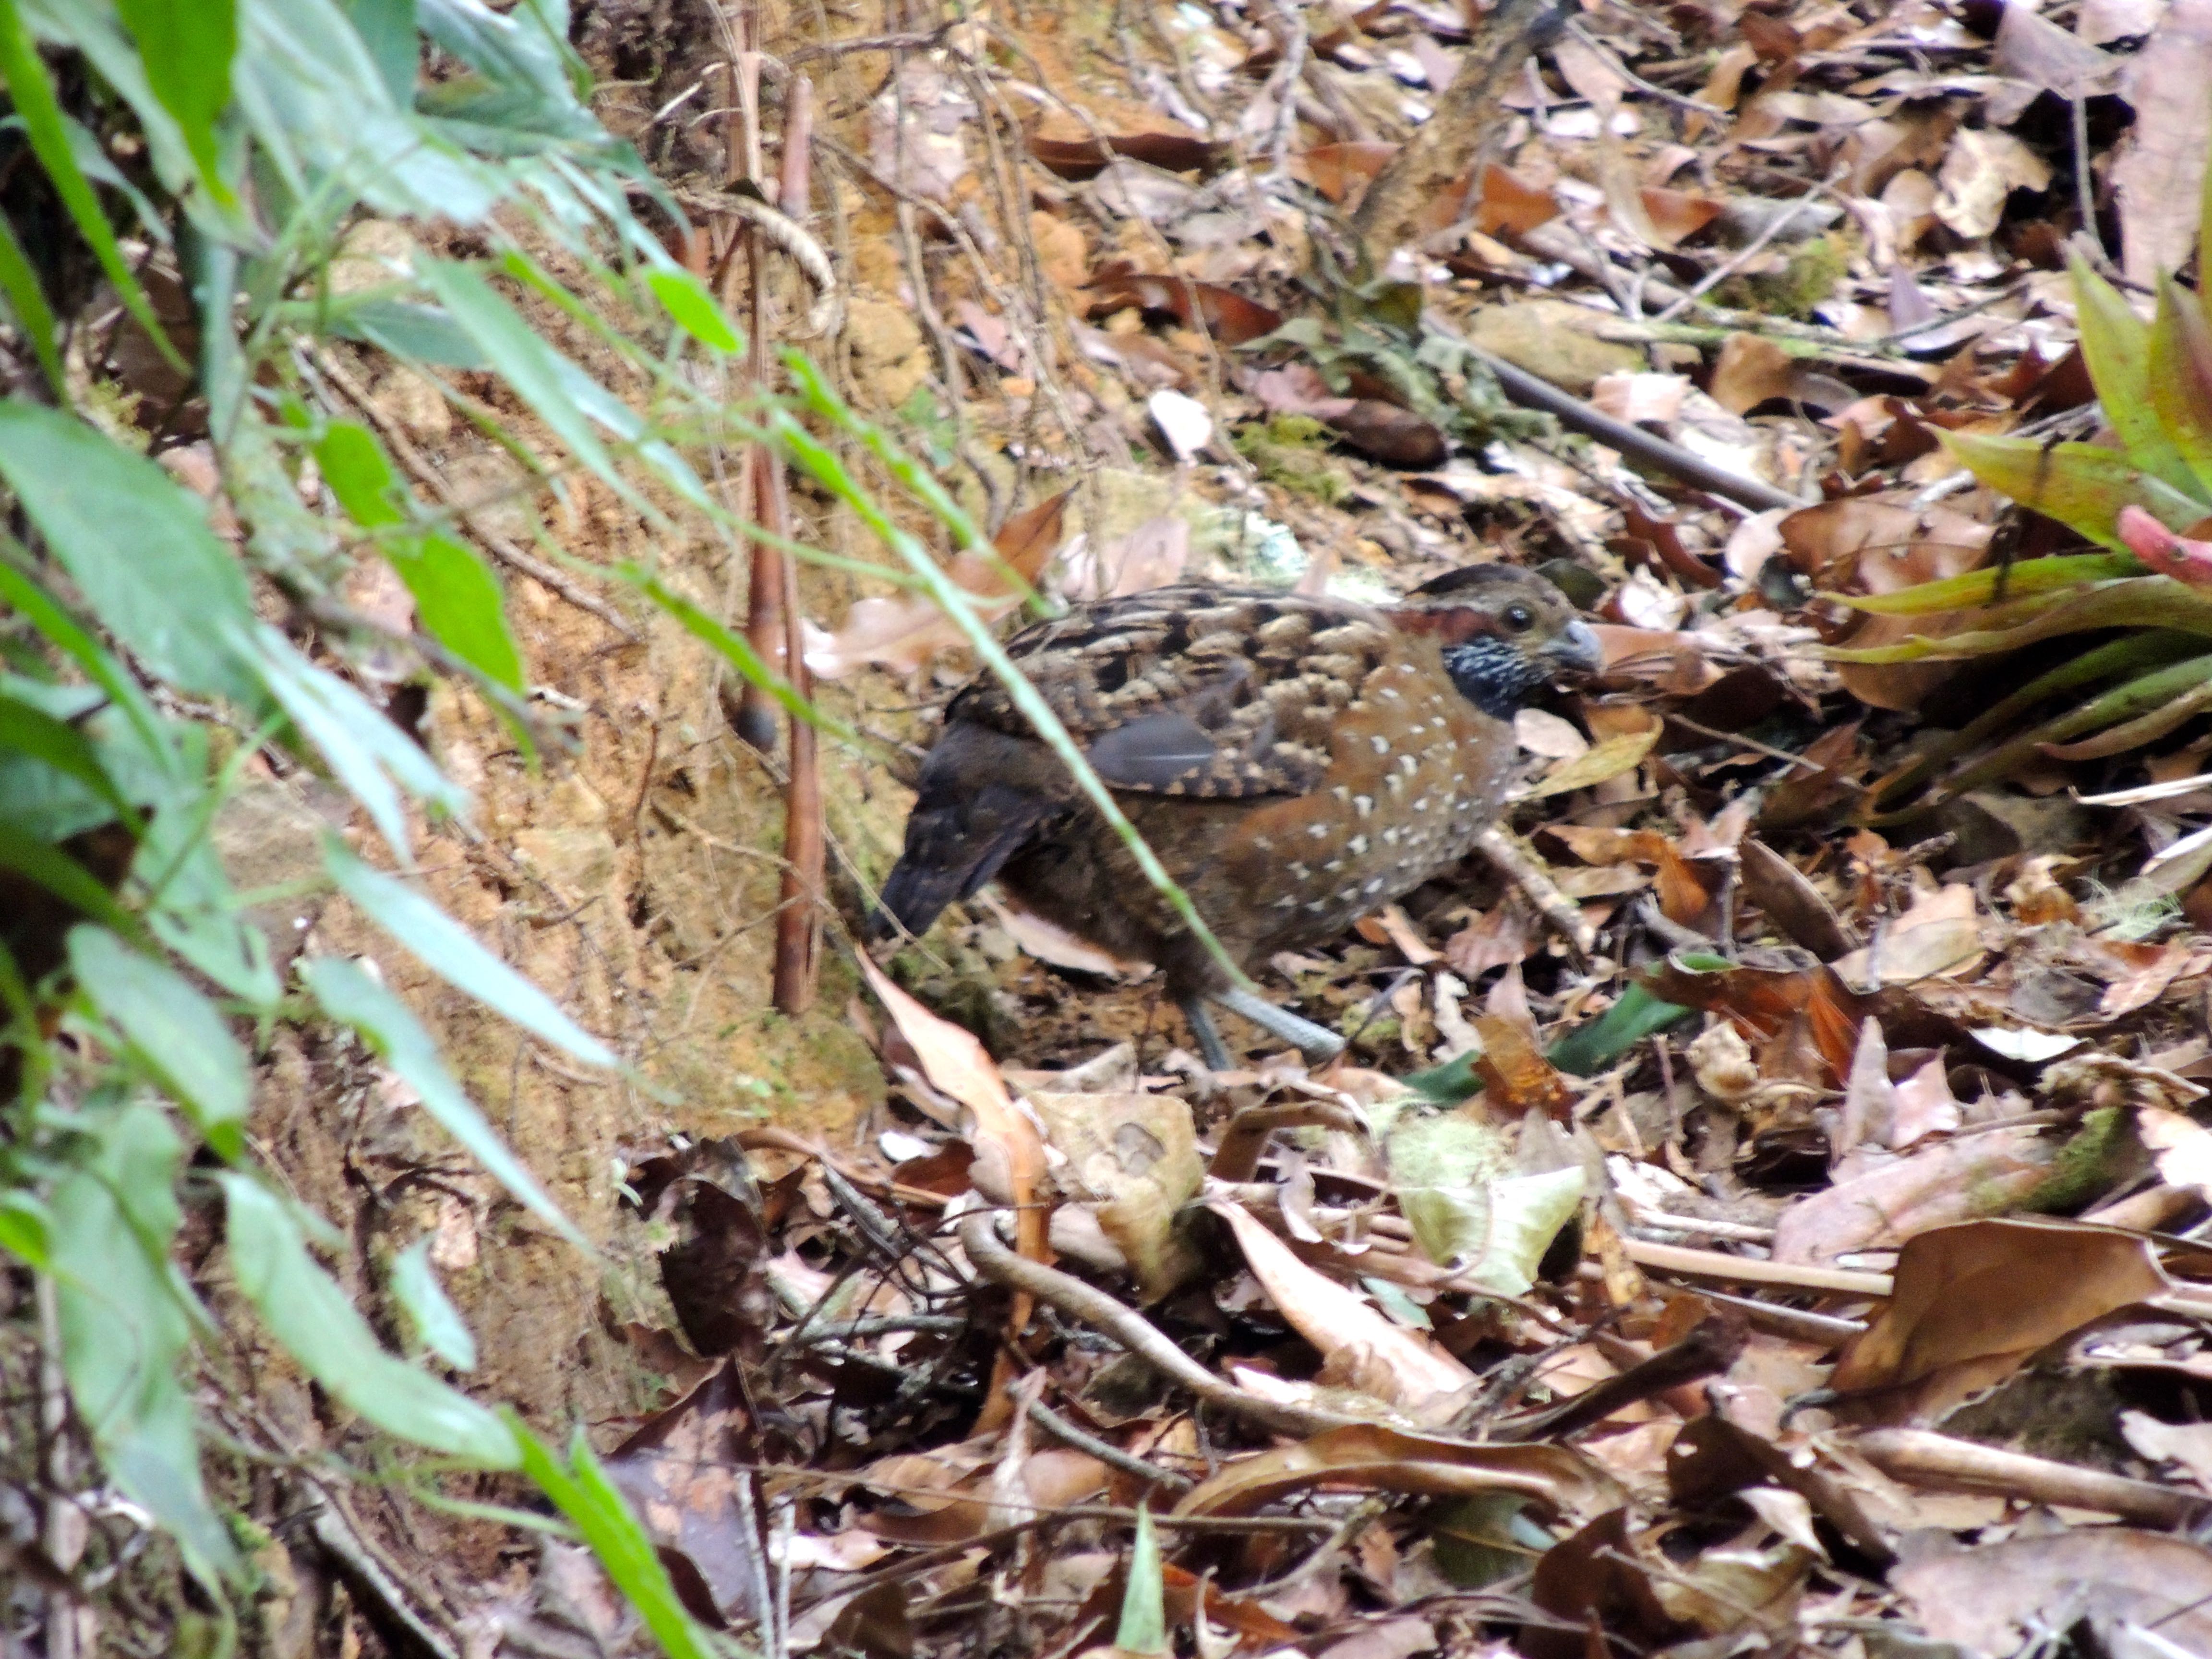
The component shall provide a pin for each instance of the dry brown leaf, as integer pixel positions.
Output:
(1972, 1302)
(1418, 1375)
(2159, 170)
(1608, 759)
(1343, 171)
(1953, 1182)
(905, 632)
(1940, 935)
(2181, 1145)
(1985, 1598)
(1010, 1164)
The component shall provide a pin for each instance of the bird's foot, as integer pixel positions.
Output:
(1316, 1042)
(1211, 1049)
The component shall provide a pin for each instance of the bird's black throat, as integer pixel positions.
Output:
(1493, 675)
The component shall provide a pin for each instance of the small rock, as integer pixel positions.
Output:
(1554, 340)
(888, 357)
(1992, 824)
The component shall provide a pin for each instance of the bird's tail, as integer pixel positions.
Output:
(970, 817)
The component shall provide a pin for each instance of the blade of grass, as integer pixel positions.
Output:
(41, 115)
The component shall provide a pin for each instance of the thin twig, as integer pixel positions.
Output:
(546, 576)
(799, 927)
(1064, 1431)
(1101, 1313)
(1613, 61)
(1506, 856)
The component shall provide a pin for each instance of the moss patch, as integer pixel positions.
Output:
(1292, 450)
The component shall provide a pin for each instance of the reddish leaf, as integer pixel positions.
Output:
(1228, 316)
(1395, 436)
(2177, 557)
(1086, 158)
(1342, 172)
(1511, 204)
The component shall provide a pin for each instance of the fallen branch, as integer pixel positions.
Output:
(1134, 1332)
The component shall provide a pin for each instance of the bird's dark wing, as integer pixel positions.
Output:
(1220, 694)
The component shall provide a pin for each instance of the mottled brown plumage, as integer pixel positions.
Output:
(1295, 762)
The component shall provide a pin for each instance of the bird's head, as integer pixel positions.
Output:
(1504, 631)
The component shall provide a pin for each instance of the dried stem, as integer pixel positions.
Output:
(798, 911)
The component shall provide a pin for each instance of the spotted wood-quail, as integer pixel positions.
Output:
(1295, 762)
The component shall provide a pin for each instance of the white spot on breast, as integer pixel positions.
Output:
(1363, 804)
(1301, 872)
(1373, 887)
(1390, 836)
(1286, 902)
(1317, 905)
(1342, 792)
(1422, 804)
(1333, 866)
(1390, 691)
(1406, 763)
(1381, 744)
(1263, 843)
(1356, 845)
(1345, 896)
(1318, 831)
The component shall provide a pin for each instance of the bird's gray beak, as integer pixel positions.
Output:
(1575, 650)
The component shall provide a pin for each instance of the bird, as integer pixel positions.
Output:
(1295, 761)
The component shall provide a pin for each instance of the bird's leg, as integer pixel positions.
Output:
(1210, 1049)
(1316, 1042)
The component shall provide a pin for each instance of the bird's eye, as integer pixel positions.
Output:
(1518, 617)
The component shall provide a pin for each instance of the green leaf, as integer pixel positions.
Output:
(137, 545)
(414, 333)
(28, 731)
(186, 47)
(23, 1230)
(692, 309)
(2027, 580)
(523, 358)
(1589, 1049)
(623, 1547)
(2136, 602)
(734, 648)
(305, 1310)
(170, 1032)
(1144, 1626)
(44, 125)
(2180, 380)
(2083, 487)
(366, 751)
(349, 995)
(353, 465)
(460, 602)
(34, 318)
(436, 1320)
(157, 750)
(1450, 1083)
(387, 30)
(48, 867)
(1467, 1211)
(126, 1324)
(451, 951)
(2115, 345)
(319, 110)
(195, 912)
